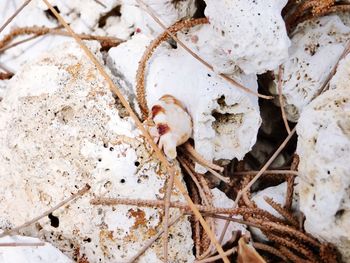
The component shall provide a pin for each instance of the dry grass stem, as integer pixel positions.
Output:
(277, 172)
(283, 212)
(169, 188)
(8, 21)
(114, 89)
(39, 31)
(36, 219)
(22, 244)
(281, 100)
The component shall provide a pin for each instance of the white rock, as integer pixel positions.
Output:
(167, 11)
(83, 16)
(324, 151)
(341, 79)
(250, 34)
(225, 119)
(60, 129)
(316, 47)
(221, 200)
(28, 254)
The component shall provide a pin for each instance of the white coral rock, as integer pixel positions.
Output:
(167, 11)
(30, 254)
(324, 150)
(221, 200)
(250, 34)
(225, 119)
(316, 47)
(60, 129)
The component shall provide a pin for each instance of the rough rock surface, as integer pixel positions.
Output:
(59, 130)
(38, 254)
(225, 119)
(316, 46)
(251, 34)
(324, 150)
(221, 200)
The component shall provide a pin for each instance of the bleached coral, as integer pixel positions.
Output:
(324, 150)
(225, 119)
(316, 46)
(29, 254)
(60, 130)
(248, 34)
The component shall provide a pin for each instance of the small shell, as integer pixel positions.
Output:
(173, 124)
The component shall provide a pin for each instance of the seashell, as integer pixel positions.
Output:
(172, 122)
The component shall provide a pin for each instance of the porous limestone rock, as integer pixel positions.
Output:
(30, 254)
(324, 168)
(167, 11)
(225, 119)
(316, 47)
(221, 200)
(61, 128)
(248, 34)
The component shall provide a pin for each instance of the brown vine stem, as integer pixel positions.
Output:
(114, 89)
(257, 176)
(286, 172)
(205, 63)
(36, 219)
(22, 244)
(153, 239)
(8, 21)
(280, 97)
(39, 31)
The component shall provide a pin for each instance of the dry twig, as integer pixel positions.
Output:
(280, 97)
(8, 21)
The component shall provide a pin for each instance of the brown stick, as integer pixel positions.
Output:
(22, 244)
(36, 219)
(138, 123)
(8, 21)
(279, 87)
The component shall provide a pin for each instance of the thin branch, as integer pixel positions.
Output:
(36, 219)
(198, 158)
(205, 63)
(280, 97)
(218, 257)
(100, 3)
(167, 199)
(285, 172)
(160, 204)
(22, 244)
(152, 240)
(115, 90)
(39, 31)
(8, 21)
(5, 75)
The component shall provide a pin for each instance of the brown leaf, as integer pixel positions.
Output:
(247, 253)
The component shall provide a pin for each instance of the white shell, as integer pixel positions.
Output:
(173, 124)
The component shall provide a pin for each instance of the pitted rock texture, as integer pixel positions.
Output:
(59, 130)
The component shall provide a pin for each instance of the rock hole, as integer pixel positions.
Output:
(122, 181)
(51, 15)
(54, 220)
(340, 213)
(137, 163)
(113, 12)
